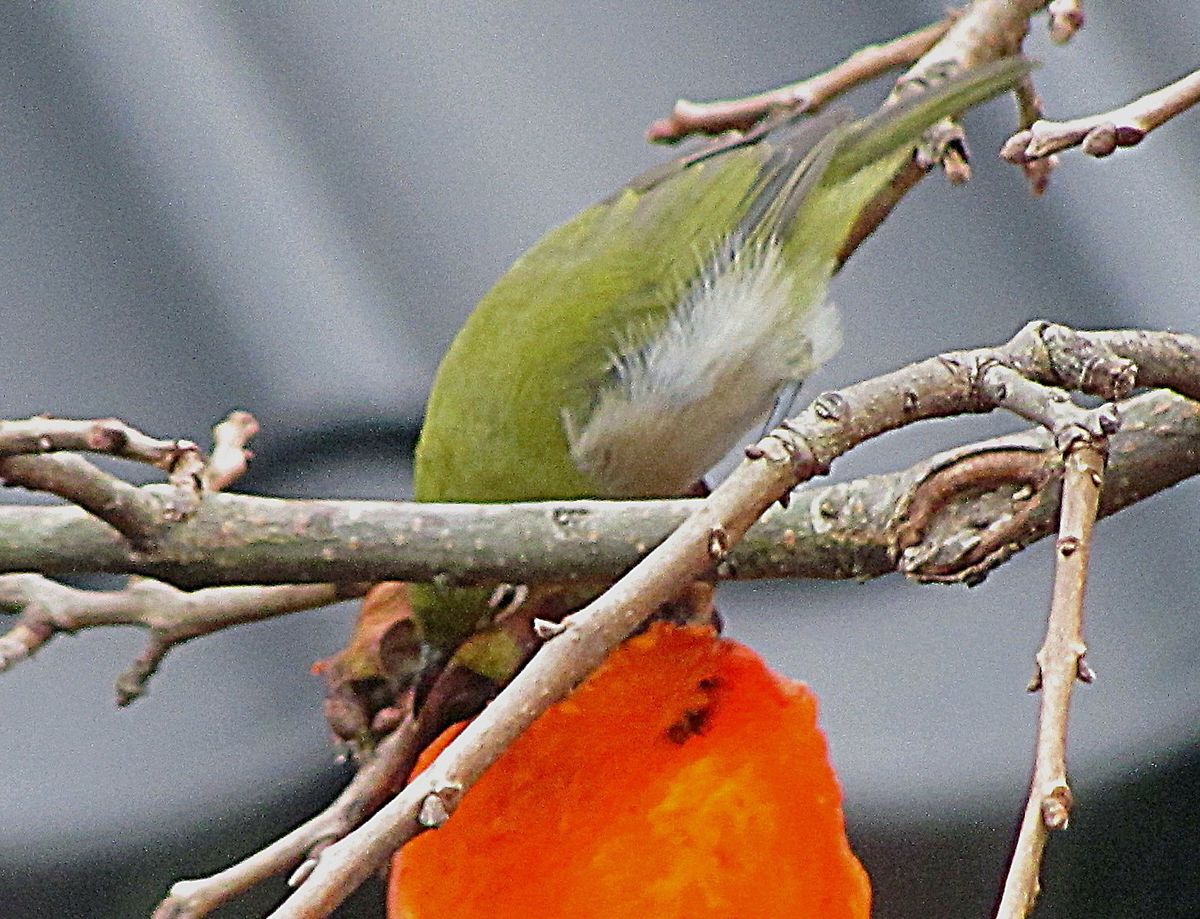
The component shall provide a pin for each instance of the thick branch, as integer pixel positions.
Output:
(1102, 134)
(851, 530)
(238, 539)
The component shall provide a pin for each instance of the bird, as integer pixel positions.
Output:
(628, 349)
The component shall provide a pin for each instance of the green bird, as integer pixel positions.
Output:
(627, 351)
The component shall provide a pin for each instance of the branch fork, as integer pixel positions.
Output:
(39, 454)
(925, 531)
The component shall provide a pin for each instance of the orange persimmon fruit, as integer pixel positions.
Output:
(683, 779)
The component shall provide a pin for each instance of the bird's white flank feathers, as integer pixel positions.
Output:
(673, 405)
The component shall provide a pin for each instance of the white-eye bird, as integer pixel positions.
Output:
(627, 350)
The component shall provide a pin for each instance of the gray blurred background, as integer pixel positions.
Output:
(290, 208)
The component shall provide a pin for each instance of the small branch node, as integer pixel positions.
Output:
(230, 455)
(1066, 18)
(439, 804)
(718, 543)
(1108, 419)
(956, 163)
(830, 406)
(1100, 141)
(1067, 545)
(945, 145)
(545, 629)
(186, 474)
(1109, 377)
(1056, 806)
(1084, 671)
(788, 444)
(1035, 681)
(131, 684)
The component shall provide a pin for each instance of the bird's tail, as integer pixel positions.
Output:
(896, 125)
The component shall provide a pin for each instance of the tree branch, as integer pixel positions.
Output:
(987, 30)
(1102, 134)
(393, 759)
(134, 514)
(1060, 662)
(170, 615)
(810, 95)
(953, 517)
(799, 449)
(140, 516)
(858, 529)
(42, 434)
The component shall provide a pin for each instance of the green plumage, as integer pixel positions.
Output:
(582, 311)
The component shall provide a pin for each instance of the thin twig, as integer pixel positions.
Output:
(1051, 408)
(229, 457)
(1082, 436)
(384, 772)
(1060, 662)
(23, 442)
(1030, 111)
(1101, 134)
(296, 851)
(171, 616)
(24, 462)
(43, 434)
(867, 63)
